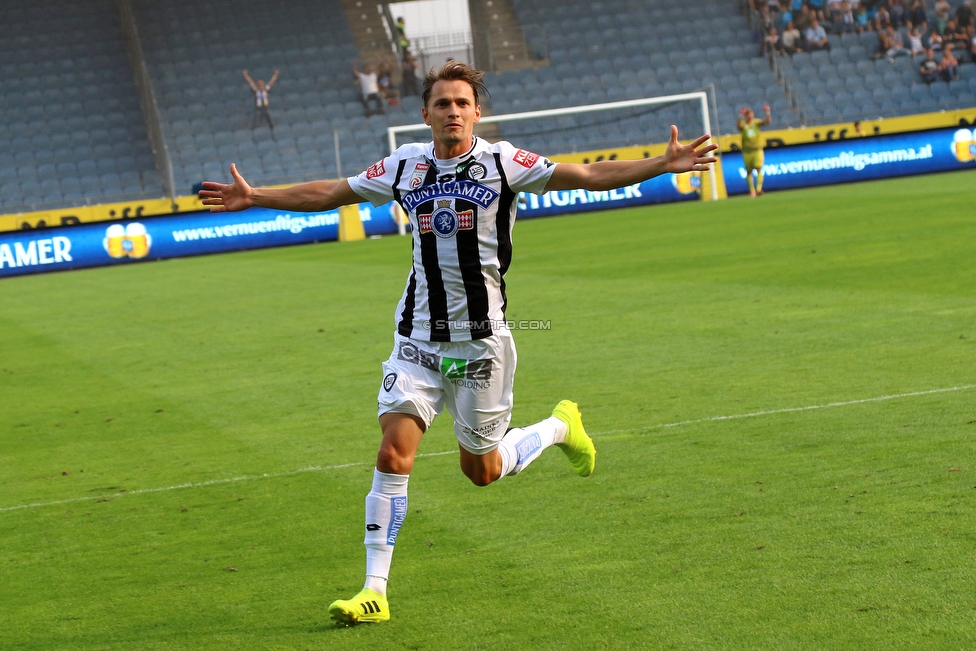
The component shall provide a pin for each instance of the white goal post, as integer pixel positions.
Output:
(700, 96)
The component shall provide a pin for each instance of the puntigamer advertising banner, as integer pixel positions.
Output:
(860, 159)
(661, 189)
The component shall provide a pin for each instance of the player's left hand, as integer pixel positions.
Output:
(227, 197)
(688, 158)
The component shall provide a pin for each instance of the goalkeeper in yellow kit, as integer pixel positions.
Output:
(752, 146)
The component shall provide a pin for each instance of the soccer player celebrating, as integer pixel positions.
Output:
(752, 147)
(451, 347)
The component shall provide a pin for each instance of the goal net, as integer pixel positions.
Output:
(598, 128)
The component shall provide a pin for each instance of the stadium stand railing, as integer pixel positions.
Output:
(147, 99)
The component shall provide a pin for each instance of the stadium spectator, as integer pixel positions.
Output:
(844, 18)
(816, 37)
(942, 11)
(452, 346)
(408, 70)
(401, 28)
(767, 21)
(971, 32)
(790, 39)
(956, 36)
(369, 88)
(882, 19)
(919, 16)
(262, 109)
(929, 68)
(949, 65)
(786, 13)
(964, 15)
(896, 10)
(935, 41)
(803, 19)
(384, 78)
(893, 43)
(770, 42)
(752, 147)
(861, 19)
(817, 9)
(915, 42)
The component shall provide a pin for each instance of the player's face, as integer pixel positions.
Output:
(451, 114)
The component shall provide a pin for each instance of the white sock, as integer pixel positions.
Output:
(386, 508)
(521, 446)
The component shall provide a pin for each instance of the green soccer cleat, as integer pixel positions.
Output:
(578, 446)
(367, 607)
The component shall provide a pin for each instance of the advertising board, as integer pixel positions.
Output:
(157, 238)
(861, 159)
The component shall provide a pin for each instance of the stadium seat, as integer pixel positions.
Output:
(839, 55)
(873, 80)
(749, 80)
(865, 66)
(820, 58)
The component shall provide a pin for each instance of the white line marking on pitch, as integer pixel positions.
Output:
(354, 464)
(211, 482)
(786, 410)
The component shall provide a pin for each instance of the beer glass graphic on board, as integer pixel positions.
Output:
(964, 145)
(130, 241)
(138, 240)
(687, 182)
(115, 241)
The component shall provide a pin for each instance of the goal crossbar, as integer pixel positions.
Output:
(701, 96)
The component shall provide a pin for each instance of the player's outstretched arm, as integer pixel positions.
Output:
(304, 197)
(607, 175)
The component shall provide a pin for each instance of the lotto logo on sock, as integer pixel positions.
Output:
(398, 511)
(527, 447)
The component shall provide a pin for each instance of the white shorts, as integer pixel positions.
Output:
(473, 379)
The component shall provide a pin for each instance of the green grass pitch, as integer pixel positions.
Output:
(185, 446)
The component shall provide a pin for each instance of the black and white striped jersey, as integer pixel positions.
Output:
(461, 211)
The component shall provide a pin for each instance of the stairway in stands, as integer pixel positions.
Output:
(368, 30)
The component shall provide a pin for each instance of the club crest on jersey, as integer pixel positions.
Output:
(481, 195)
(477, 171)
(375, 170)
(418, 176)
(471, 170)
(525, 158)
(445, 222)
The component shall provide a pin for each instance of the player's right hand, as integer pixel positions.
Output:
(227, 197)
